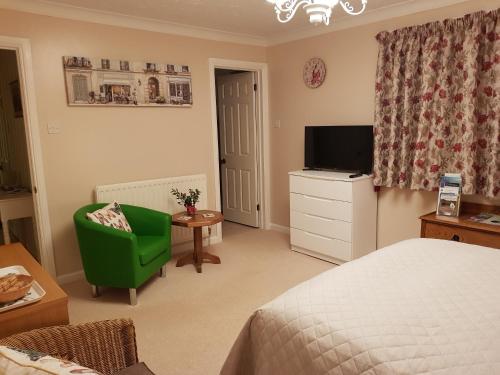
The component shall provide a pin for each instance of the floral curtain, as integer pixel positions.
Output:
(438, 105)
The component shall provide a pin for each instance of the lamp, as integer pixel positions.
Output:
(319, 11)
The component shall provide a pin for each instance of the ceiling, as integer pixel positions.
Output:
(251, 19)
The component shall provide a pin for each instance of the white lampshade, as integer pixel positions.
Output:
(319, 11)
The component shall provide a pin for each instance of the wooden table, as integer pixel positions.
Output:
(461, 229)
(51, 310)
(197, 222)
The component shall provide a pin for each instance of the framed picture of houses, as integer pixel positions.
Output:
(106, 82)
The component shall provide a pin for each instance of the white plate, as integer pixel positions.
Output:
(34, 294)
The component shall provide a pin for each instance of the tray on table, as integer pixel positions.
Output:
(35, 293)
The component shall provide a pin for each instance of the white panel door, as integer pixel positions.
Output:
(238, 151)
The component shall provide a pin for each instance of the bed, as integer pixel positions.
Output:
(420, 306)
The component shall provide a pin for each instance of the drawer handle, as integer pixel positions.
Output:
(455, 238)
(316, 199)
(319, 218)
(318, 236)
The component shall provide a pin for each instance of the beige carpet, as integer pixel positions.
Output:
(187, 322)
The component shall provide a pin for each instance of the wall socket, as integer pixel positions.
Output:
(53, 129)
(277, 124)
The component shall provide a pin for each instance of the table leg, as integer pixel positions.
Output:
(6, 234)
(198, 255)
(198, 248)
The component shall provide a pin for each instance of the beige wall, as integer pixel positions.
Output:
(111, 145)
(346, 97)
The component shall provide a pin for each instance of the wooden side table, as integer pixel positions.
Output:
(461, 229)
(197, 222)
(51, 310)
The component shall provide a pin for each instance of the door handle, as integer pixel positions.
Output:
(223, 161)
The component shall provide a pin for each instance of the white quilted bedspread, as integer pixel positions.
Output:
(421, 306)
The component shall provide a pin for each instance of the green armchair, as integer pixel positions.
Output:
(120, 259)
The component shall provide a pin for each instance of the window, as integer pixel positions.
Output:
(77, 62)
(80, 88)
(186, 92)
(180, 92)
(124, 65)
(172, 89)
(105, 64)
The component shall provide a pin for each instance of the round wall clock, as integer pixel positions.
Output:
(314, 72)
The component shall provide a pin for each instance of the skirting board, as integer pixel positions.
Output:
(176, 249)
(313, 254)
(279, 228)
(70, 277)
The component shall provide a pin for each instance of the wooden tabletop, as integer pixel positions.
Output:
(463, 220)
(16, 254)
(197, 220)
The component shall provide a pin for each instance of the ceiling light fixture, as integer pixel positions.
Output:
(319, 11)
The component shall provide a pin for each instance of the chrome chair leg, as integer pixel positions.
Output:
(163, 271)
(95, 291)
(133, 296)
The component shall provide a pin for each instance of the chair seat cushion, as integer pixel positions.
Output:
(137, 369)
(150, 247)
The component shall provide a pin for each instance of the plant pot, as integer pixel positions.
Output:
(191, 210)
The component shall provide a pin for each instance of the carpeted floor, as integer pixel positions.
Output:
(187, 322)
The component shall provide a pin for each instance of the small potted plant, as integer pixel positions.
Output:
(188, 199)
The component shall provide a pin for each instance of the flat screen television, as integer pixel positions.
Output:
(339, 148)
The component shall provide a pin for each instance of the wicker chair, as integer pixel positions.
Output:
(107, 346)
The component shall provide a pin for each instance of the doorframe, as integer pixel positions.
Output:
(22, 47)
(263, 126)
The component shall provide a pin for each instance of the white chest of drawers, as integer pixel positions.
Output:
(332, 217)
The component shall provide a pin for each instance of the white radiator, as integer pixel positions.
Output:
(155, 194)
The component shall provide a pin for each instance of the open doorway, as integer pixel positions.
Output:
(259, 73)
(16, 199)
(237, 122)
(20, 94)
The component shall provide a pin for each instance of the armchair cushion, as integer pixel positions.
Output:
(29, 362)
(150, 247)
(110, 216)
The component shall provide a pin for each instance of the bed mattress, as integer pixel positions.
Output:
(421, 306)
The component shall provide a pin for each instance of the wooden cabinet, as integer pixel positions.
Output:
(462, 229)
(332, 217)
